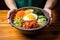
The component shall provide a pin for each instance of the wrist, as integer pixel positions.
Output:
(47, 8)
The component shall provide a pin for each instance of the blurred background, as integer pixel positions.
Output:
(55, 15)
(7, 32)
(4, 7)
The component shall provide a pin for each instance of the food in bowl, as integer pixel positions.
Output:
(29, 18)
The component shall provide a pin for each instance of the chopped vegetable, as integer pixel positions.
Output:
(41, 16)
(42, 20)
(29, 11)
(18, 22)
(29, 18)
(38, 12)
(20, 14)
(30, 24)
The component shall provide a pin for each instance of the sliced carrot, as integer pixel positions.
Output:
(20, 14)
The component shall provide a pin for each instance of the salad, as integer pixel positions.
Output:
(29, 18)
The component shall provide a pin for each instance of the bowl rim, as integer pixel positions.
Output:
(45, 13)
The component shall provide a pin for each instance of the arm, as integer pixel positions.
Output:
(11, 4)
(50, 4)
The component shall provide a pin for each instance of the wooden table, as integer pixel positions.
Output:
(7, 32)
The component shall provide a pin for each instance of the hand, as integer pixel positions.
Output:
(49, 11)
(9, 13)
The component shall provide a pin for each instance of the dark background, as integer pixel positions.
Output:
(4, 7)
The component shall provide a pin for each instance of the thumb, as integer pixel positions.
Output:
(49, 11)
(10, 12)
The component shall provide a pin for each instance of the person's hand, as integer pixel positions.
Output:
(49, 11)
(9, 13)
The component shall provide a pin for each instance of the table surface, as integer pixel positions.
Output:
(7, 32)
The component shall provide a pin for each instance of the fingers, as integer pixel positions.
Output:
(9, 13)
(49, 11)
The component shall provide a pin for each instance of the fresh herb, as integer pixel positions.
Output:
(38, 12)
